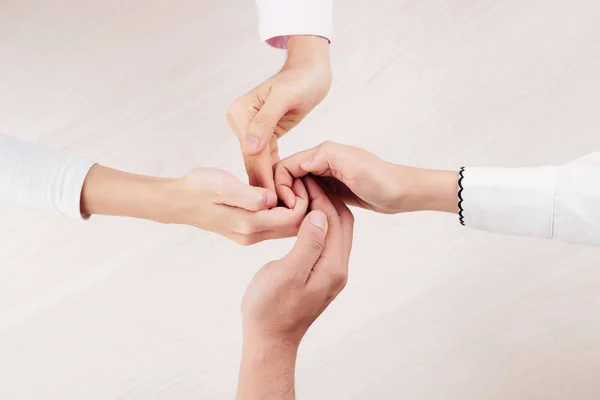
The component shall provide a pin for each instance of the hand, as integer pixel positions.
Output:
(273, 108)
(364, 180)
(206, 198)
(286, 296)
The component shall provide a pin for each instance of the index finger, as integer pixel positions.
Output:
(260, 169)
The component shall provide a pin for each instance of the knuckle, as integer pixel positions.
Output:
(244, 240)
(260, 200)
(245, 227)
(327, 145)
(339, 279)
(222, 187)
(236, 107)
(280, 171)
(269, 266)
(315, 244)
(260, 120)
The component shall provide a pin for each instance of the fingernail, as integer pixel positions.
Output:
(307, 163)
(318, 219)
(271, 198)
(252, 143)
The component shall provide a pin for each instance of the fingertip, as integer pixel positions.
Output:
(251, 145)
(312, 187)
(289, 199)
(286, 195)
(299, 189)
(300, 195)
(317, 218)
(270, 199)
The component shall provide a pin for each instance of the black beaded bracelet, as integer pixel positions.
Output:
(461, 218)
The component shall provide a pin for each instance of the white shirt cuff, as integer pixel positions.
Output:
(35, 176)
(514, 201)
(281, 18)
(69, 187)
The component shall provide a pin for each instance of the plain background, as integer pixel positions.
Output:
(124, 309)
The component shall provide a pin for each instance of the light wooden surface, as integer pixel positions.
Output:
(122, 309)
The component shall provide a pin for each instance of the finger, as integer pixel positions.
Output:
(319, 201)
(247, 240)
(334, 188)
(274, 146)
(259, 166)
(281, 217)
(263, 125)
(246, 222)
(308, 247)
(331, 271)
(241, 195)
(260, 170)
(233, 124)
(286, 171)
(241, 112)
(347, 227)
(329, 159)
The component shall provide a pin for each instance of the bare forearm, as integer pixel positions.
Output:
(433, 190)
(267, 371)
(308, 48)
(111, 192)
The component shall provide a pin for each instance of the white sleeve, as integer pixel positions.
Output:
(561, 203)
(35, 176)
(281, 18)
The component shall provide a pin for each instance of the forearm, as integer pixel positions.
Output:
(35, 176)
(111, 192)
(267, 371)
(555, 202)
(427, 189)
(308, 49)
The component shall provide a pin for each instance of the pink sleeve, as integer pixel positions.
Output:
(281, 18)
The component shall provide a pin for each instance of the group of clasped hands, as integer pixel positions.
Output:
(305, 195)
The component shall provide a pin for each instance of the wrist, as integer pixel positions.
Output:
(257, 343)
(427, 189)
(267, 369)
(111, 192)
(308, 49)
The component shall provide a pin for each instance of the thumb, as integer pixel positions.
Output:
(238, 194)
(309, 245)
(262, 126)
